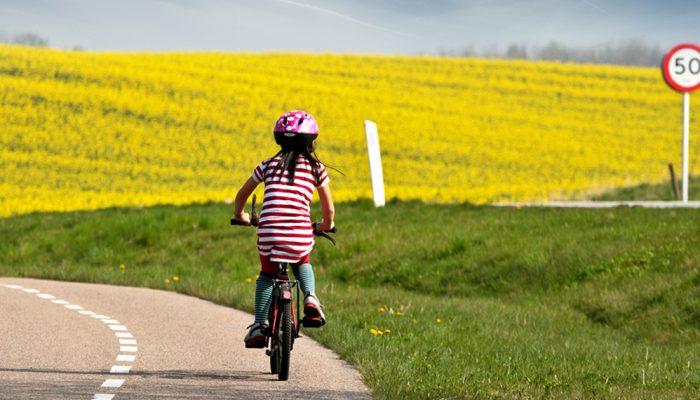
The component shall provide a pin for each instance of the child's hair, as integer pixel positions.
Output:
(289, 155)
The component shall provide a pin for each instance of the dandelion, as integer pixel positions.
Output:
(122, 267)
(167, 281)
(176, 278)
(381, 309)
(248, 280)
(438, 321)
(374, 332)
(387, 330)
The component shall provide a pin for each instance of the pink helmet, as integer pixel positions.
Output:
(295, 127)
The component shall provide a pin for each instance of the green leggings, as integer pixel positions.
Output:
(263, 289)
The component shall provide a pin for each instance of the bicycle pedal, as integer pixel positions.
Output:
(313, 322)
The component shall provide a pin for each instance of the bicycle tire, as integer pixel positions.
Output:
(287, 329)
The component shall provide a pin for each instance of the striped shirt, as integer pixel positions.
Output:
(285, 231)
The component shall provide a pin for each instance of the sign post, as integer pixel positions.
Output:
(681, 70)
(375, 163)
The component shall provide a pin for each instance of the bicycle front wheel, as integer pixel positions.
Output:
(286, 342)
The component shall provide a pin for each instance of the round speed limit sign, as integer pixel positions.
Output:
(681, 67)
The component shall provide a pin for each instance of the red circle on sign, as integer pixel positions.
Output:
(669, 77)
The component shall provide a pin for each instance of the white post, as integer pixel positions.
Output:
(686, 143)
(375, 163)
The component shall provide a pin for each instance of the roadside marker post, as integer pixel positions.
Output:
(375, 163)
(681, 70)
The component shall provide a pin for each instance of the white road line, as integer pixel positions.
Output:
(117, 327)
(125, 338)
(120, 369)
(113, 383)
(14, 287)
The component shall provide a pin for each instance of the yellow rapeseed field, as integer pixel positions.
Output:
(86, 130)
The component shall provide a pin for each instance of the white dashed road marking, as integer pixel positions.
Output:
(100, 396)
(117, 327)
(125, 338)
(113, 383)
(120, 369)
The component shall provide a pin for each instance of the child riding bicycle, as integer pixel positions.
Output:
(285, 231)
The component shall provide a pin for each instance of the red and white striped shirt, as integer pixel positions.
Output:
(285, 231)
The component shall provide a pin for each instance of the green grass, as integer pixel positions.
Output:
(481, 302)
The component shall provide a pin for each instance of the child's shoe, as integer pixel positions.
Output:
(255, 338)
(313, 312)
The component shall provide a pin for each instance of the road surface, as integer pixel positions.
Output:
(63, 340)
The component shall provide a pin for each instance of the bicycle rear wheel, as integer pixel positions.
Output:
(285, 349)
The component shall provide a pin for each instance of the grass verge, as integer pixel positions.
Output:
(432, 301)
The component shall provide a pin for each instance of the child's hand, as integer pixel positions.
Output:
(243, 217)
(324, 226)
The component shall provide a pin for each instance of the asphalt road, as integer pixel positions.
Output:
(62, 340)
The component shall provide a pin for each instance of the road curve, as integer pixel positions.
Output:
(63, 340)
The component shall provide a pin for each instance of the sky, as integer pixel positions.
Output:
(348, 26)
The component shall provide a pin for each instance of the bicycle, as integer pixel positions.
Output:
(283, 315)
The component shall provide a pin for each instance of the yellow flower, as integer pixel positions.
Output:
(248, 280)
(399, 314)
(381, 309)
(122, 266)
(167, 281)
(374, 332)
(438, 320)
(176, 278)
(387, 330)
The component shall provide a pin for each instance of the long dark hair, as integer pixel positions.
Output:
(289, 155)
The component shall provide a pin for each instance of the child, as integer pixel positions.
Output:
(285, 232)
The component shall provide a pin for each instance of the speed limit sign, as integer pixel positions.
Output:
(681, 67)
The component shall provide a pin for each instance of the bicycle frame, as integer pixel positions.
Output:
(282, 293)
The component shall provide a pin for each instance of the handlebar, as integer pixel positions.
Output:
(254, 222)
(253, 216)
(325, 233)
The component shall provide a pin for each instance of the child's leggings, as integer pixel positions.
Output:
(304, 273)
